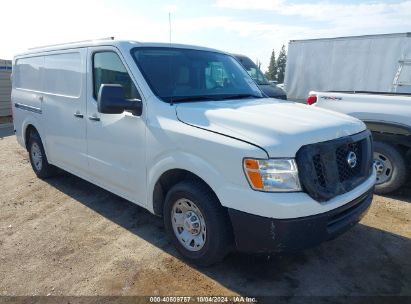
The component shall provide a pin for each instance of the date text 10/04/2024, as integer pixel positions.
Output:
(203, 299)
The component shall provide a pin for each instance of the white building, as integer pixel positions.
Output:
(5, 87)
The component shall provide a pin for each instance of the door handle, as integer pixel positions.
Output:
(79, 115)
(94, 118)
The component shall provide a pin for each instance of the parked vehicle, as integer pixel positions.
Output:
(388, 116)
(372, 63)
(268, 87)
(184, 132)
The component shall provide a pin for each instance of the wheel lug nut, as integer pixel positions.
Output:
(194, 218)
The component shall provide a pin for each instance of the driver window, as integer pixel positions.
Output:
(108, 69)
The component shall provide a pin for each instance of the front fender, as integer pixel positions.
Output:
(184, 161)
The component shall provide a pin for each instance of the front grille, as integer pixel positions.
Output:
(319, 170)
(330, 168)
(345, 172)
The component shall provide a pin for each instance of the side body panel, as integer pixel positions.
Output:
(27, 95)
(64, 97)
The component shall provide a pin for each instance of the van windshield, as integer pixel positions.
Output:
(253, 70)
(180, 75)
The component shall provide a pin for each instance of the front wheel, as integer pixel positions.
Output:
(196, 223)
(390, 166)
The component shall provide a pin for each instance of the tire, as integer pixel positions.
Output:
(38, 158)
(213, 242)
(391, 167)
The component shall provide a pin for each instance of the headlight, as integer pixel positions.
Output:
(272, 175)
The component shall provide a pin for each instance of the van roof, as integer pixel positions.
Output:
(120, 44)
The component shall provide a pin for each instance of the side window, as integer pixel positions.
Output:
(108, 69)
(62, 74)
(28, 73)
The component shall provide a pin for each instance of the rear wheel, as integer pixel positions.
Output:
(38, 158)
(196, 223)
(390, 166)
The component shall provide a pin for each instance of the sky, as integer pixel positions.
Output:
(250, 27)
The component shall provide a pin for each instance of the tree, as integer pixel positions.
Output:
(271, 74)
(281, 63)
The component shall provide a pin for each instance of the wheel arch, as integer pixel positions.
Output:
(393, 133)
(171, 170)
(388, 127)
(27, 132)
(29, 124)
(167, 180)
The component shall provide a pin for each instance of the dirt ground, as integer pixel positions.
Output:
(65, 236)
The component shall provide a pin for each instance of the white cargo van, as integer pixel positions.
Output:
(185, 132)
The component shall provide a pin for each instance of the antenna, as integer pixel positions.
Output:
(169, 26)
(169, 65)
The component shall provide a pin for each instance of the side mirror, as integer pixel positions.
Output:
(111, 100)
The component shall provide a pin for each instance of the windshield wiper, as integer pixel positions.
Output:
(240, 96)
(176, 99)
(189, 98)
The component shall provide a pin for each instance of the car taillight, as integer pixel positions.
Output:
(311, 99)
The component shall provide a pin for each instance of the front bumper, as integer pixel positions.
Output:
(258, 234)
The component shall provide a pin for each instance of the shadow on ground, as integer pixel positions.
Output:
(364, 261)
(6, 130)
(404, 193)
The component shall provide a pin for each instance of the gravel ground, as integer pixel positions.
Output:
(65, 236)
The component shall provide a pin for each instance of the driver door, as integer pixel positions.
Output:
(115, 142)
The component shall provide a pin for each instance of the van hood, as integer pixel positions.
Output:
(279, 127)
(273, 91)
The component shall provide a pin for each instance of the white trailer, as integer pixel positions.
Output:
(5, 87)
(376, 63)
